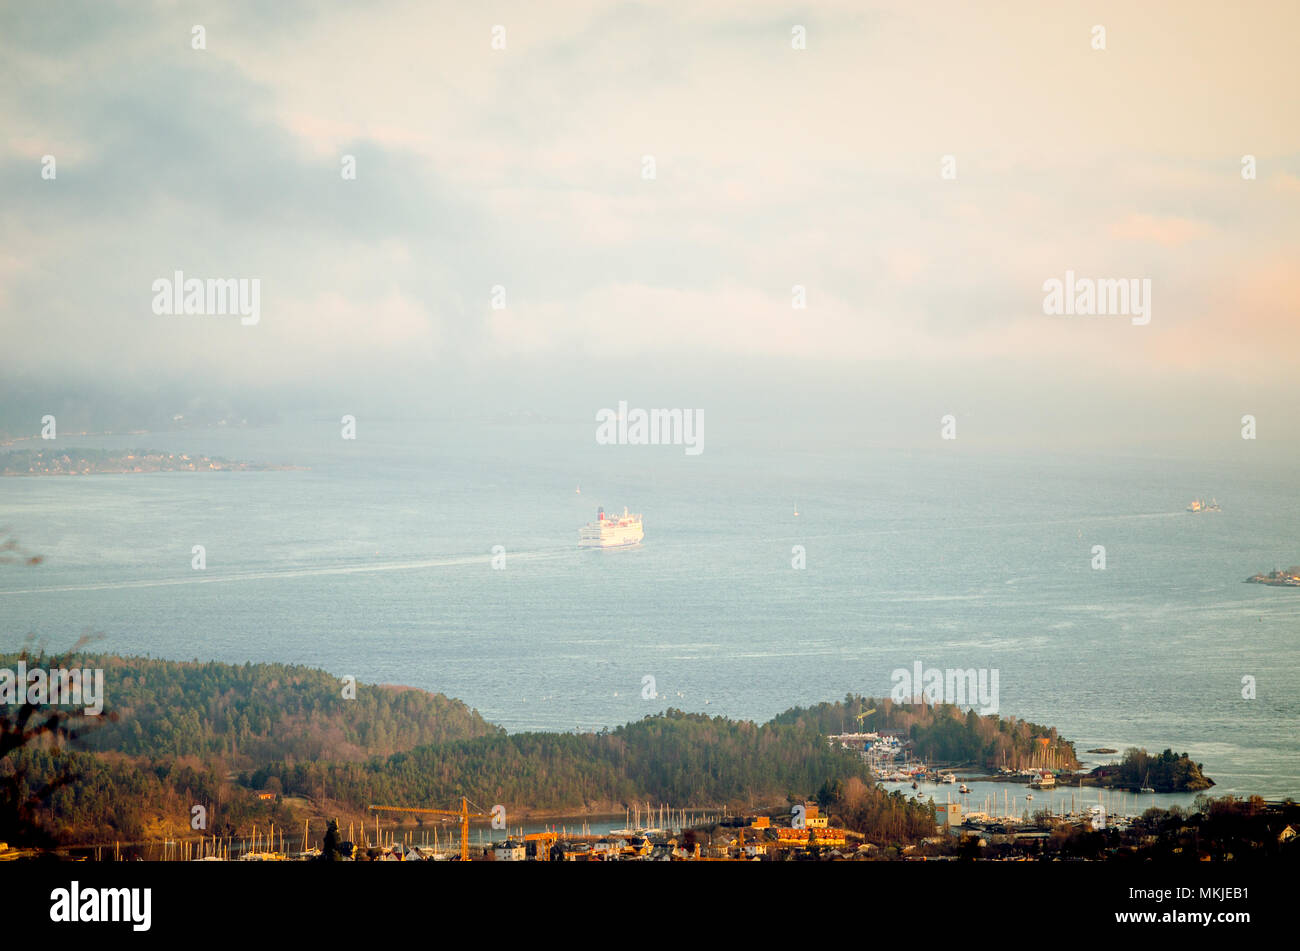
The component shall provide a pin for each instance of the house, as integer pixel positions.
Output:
(509, 851)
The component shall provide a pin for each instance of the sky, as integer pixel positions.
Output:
(523, 168)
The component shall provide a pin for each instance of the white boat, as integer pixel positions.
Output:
(1043, 781)
(617, 532)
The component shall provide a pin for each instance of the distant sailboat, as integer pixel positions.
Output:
(578, 490)
(796, 508)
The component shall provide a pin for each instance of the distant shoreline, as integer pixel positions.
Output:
(77, 462)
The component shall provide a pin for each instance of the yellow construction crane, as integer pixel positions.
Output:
(864, 714)
(464, 814)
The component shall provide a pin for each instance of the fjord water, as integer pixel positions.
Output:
(377, 562)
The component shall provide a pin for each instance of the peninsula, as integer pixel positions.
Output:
(48, 462)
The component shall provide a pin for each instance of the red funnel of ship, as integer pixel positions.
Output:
(602, 514)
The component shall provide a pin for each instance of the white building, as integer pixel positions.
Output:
(509, 851)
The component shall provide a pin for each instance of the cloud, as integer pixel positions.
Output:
(522, 168)
(1164, 230)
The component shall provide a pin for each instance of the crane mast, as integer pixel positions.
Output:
(463, 814)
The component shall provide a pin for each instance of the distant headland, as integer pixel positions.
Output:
(48, 462)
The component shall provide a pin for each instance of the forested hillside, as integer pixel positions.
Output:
(253, 713)
(675, 757)
(103, 798)
(179, 734)
(172, 734)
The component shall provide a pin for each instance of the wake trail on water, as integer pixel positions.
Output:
(276, 574)
(539, 554)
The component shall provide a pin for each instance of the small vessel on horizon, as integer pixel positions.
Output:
(1290, 578)
(1200, 505)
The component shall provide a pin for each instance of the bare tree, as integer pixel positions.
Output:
(27, 726)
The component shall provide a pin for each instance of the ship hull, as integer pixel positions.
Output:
(627, 543)
(625, 539)
(624, 532)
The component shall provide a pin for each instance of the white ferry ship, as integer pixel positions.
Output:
(606, 532)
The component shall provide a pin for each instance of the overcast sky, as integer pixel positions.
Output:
(523, 167)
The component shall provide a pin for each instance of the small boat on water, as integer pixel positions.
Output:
(963, 788)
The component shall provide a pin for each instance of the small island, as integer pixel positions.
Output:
(1168, 772)
(1290, 578)
(48, 462)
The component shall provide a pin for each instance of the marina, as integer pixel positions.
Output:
(1013, 803)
